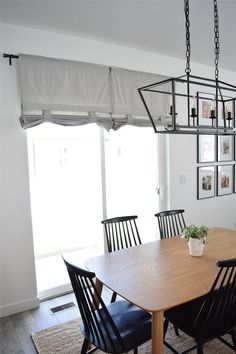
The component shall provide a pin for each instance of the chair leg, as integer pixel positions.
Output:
(176, 330)
(166, 324)
(199, 349)
(233, 336)
(84, 346)
(113, 298)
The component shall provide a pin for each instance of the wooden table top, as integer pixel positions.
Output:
(161, 274)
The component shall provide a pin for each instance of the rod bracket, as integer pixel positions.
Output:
(10, 57)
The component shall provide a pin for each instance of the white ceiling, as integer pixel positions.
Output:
(156, 26)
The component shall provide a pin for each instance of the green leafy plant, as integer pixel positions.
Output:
(195, 232)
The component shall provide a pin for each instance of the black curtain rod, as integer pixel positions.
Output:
(10, 57)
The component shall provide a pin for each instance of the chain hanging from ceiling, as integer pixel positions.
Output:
(197, 105)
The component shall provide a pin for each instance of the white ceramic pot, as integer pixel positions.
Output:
(196, 247)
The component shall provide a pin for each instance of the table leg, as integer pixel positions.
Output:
(99, 286)
(157, 332)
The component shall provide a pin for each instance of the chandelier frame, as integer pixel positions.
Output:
(191, 126)
(218, 88)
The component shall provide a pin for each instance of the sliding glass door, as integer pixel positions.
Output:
(79, 176)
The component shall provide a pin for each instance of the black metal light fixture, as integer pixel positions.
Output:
(197, 105)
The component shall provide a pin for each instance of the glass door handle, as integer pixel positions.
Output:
(159, 191)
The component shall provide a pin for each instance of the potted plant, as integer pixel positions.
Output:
(196, 237)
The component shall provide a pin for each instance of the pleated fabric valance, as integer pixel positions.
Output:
(75, 93)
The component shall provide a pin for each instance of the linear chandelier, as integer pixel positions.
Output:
(197, 105)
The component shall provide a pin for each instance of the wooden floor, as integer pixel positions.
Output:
(15, 330)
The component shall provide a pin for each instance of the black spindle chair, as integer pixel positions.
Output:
(121, 232)
(210, 316)
(170, 222)
(116, 328)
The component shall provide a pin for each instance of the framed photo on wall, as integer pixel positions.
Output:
(205, 103)
(205, 182)
(224, 179)
(225, 147)
(234, 147)
(234, 178)
(206, 148)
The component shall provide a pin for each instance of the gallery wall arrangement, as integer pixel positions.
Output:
(216, 155)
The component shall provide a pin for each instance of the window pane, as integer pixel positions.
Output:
(131, 177)
(65, 191)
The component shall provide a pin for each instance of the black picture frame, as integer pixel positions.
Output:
(225, 148)
(206, 182)
(225, 179)
(234, 148)
(234, 177)
(206, 148)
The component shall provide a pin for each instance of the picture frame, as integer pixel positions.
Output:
(234, 178)
(225, 148)
(206, 148)
(205, 103)
(205, 182)
(224, 179)
(234, 147)
(229, 109)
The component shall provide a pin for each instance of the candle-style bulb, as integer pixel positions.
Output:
(194, 102)
(194, 105)
(213, 105)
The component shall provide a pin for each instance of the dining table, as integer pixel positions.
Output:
(159, 275)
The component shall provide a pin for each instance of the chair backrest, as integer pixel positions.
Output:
(218, 310)
(98, 323)
(121, 232)
(171, 222)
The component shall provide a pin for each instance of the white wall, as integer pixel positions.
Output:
(18, 286)
(1, 170)
(217, 211)
(17, 282)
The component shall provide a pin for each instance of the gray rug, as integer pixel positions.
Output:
(67, 339)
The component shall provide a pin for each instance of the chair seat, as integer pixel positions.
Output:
(184, 317)
(134, 327)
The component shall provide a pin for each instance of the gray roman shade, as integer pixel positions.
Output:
(75, 93)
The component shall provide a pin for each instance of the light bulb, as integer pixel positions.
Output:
(194, 102)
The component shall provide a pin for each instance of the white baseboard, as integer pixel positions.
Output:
(54, 292)
(20, 306)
